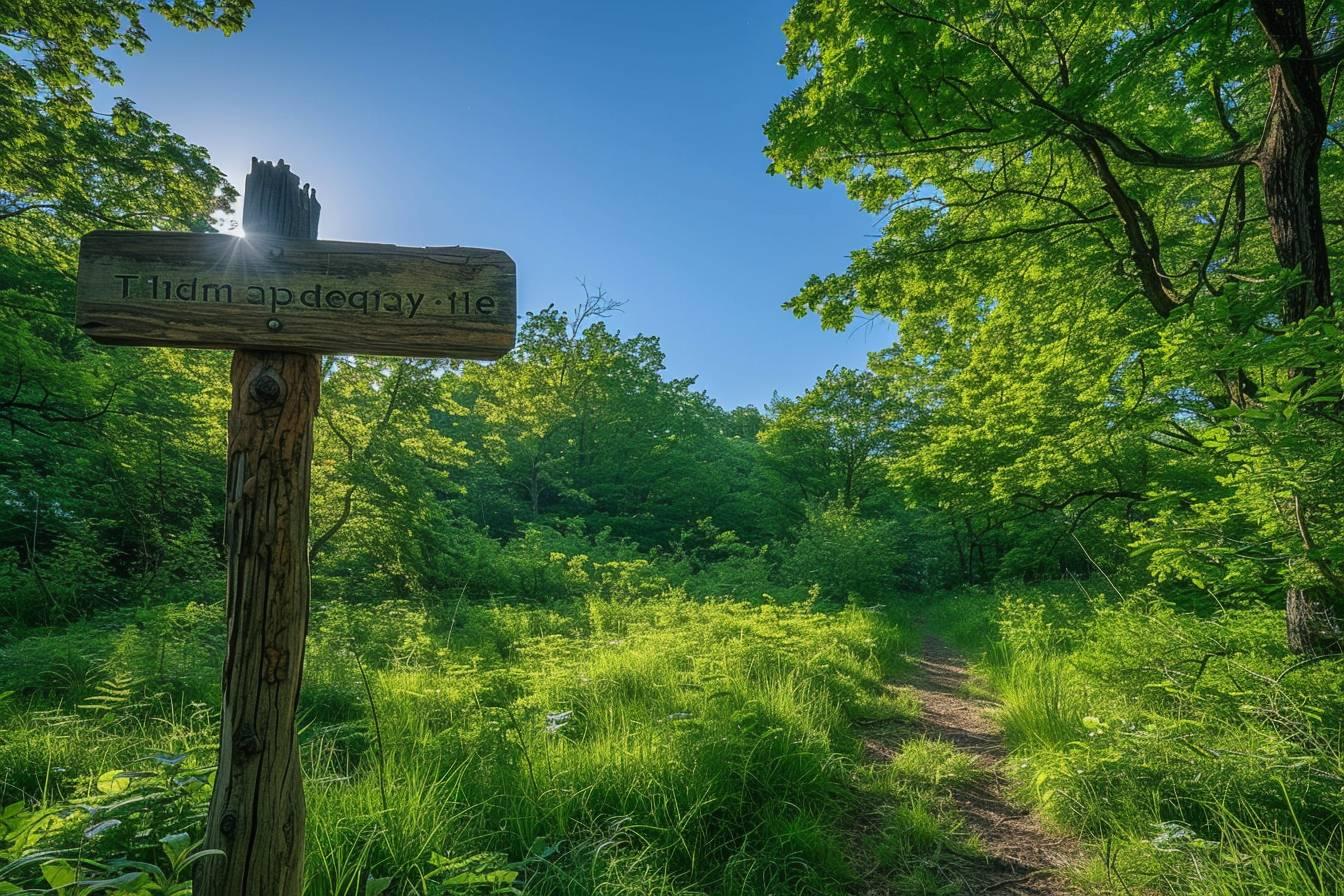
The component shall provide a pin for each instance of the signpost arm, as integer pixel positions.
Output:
(257, 810)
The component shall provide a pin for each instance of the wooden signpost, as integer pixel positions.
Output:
(278, 297)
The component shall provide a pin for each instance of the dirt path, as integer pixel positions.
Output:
(1022, 858)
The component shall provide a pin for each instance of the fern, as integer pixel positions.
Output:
(111, 695)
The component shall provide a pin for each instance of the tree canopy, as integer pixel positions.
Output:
(1105, 246)
(1116, 339)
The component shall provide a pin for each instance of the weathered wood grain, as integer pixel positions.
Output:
(274, 203)
(211, 290)
(257, 810)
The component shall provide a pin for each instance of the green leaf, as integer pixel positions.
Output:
(116, 781)
(59, 874)
(176, 846)
(502, 876)
(122, 883)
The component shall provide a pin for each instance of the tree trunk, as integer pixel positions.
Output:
(1290, 153)
(1313, 620)
(534, 490)
(970, 551)
(1289, 162)
(961, 554)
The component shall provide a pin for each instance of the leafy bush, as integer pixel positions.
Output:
(61, 585)
(847, 556)
(544, 565)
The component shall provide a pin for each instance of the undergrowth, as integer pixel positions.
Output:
(635, 740)
(1185, 743)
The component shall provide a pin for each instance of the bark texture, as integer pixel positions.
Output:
(1290, 153)
(1313, 620)
(1289, 165)
(256, 810)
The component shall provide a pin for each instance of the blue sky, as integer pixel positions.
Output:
(617, 142)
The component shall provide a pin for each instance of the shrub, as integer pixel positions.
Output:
(846, 556)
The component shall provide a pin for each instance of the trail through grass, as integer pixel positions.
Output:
(953, 752)
(1184, 745)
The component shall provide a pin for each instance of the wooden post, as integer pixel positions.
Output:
(257, 811)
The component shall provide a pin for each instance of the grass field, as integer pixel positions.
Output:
(638, 740)
(614, 744)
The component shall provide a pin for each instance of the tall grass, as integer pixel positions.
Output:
(1185, 744)
(601, 745)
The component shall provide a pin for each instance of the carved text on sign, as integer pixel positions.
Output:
(154, 288)
(211, 290)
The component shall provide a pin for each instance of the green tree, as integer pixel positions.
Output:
(383, 474)
(67, 168)
(834, 439)
(121, 451)
(1171, 156)
(114, 452)
(579, 422)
